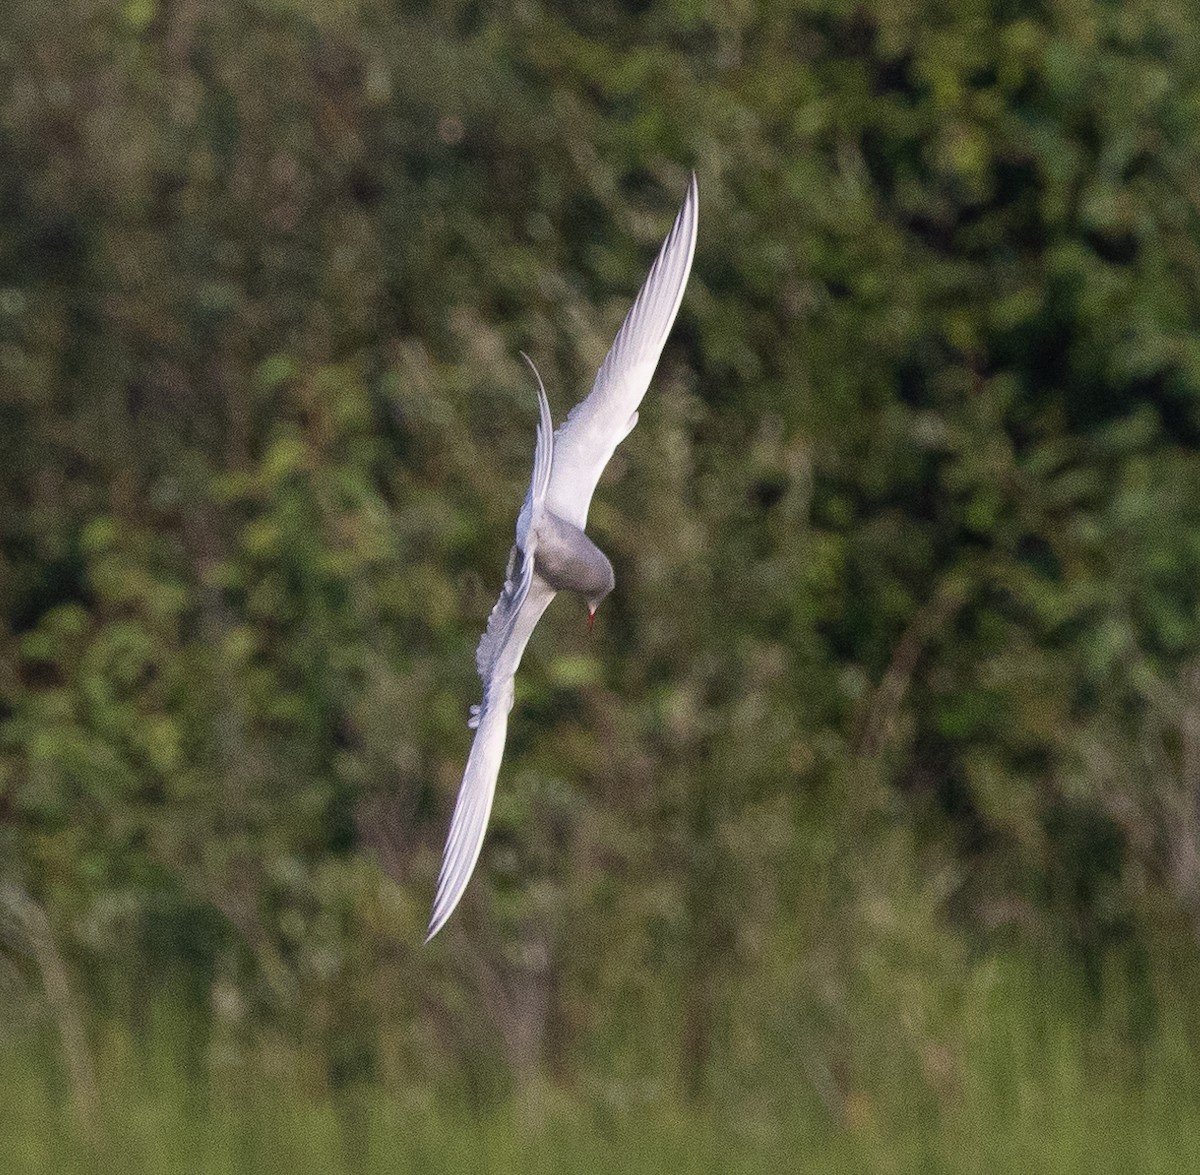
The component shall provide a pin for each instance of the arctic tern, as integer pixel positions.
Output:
(551, 552)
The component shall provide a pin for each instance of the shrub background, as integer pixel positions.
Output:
(878, 785)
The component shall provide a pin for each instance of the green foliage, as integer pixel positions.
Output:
(902, 660)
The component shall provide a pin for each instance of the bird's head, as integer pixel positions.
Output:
(606, 586)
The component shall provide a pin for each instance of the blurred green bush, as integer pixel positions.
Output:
(903, 663)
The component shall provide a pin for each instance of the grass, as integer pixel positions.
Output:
(1039, 1078)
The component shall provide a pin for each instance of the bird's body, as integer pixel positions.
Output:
(552, 553)
(569, 561)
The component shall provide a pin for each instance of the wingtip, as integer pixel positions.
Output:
(450, 888)
(441, 913)
(688, 219)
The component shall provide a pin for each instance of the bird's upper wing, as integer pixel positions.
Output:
(510, 625)
(597, 425)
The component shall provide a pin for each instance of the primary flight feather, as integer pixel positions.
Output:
(551, 553)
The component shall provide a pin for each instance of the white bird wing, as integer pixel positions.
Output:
(474, 806)
(510, 625)
(587, 439)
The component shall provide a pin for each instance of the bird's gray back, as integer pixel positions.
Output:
(569, 561)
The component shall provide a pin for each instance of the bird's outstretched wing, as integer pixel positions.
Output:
(585, 442)
(490, 720)
(510, 625)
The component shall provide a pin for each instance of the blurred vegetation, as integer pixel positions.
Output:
(897, 702)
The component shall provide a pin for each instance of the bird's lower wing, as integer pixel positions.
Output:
(504, 614)
(474, 805)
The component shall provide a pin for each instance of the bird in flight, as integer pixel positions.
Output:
(551, 553)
